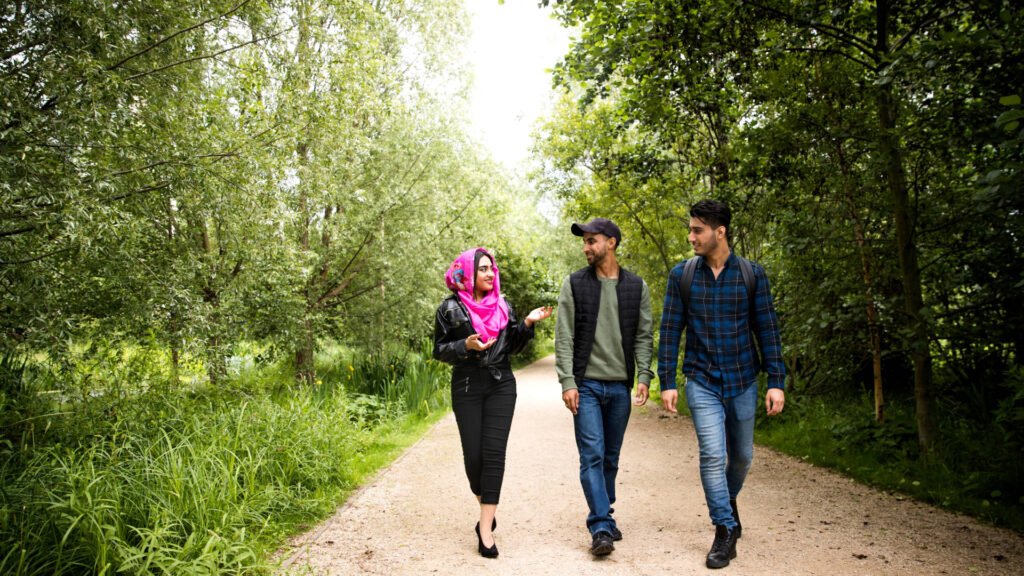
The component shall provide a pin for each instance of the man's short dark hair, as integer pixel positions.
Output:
(714, 214)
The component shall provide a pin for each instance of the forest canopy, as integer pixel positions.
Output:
(871, 152)
(194, 176)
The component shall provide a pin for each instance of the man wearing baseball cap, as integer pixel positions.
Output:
(604, 340)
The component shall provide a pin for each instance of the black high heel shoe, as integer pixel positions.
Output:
(486, 552)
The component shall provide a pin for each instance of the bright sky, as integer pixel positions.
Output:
(511, 47)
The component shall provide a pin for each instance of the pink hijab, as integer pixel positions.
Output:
(490, 314)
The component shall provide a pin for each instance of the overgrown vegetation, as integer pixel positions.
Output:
(206, 479)
(223, 232)
(982, 478)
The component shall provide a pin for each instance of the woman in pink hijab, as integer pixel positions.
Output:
(476, 331)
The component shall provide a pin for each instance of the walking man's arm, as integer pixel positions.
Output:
(564, 337)
(643, 349)
(766, 328)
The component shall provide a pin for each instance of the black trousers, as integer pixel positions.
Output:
(484, 403)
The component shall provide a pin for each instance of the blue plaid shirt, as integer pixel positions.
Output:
(719, 349)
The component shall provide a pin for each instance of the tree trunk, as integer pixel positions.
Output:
(305, 369)
(216, 364)
(173, 324)
(867, 274)
(874, 331)
(889, 150)
(175, 366)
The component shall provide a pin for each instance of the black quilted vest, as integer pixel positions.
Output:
(586, 294)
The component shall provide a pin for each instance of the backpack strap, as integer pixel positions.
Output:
(684, 284)
(748, 278)
(688, 270)
(750, 281)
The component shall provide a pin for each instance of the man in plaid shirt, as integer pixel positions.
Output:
(721, 364)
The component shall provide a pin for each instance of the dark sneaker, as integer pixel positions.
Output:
(723, 548)
(602, 544)
(616, 535)
(736, 517)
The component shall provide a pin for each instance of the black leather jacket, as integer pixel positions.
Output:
(452, 326)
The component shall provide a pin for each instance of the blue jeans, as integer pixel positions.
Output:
(725, 434)
(600, 425)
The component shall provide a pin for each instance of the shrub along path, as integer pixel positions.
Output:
(417, 516)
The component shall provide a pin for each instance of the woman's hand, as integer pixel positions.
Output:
(474, 343)
(538, 314)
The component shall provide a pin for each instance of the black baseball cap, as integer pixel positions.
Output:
(599, 226)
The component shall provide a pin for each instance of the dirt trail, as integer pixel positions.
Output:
(417, 516)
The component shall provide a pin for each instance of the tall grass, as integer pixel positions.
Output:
(204, 481)
(398, 376)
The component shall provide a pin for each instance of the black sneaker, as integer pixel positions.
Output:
(736, 517)
(602, 544)
(616, 534)
(723, 548)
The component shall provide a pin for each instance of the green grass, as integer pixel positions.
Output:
(205, 481)
(976, 470)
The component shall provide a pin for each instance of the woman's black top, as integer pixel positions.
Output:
(452, 326)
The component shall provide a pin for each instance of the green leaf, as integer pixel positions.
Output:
(1008, 117)
(1013, 100)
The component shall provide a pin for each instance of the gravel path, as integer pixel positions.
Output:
(417, 516)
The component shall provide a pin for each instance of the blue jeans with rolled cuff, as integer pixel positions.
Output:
(725, 435)
(600, 425)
